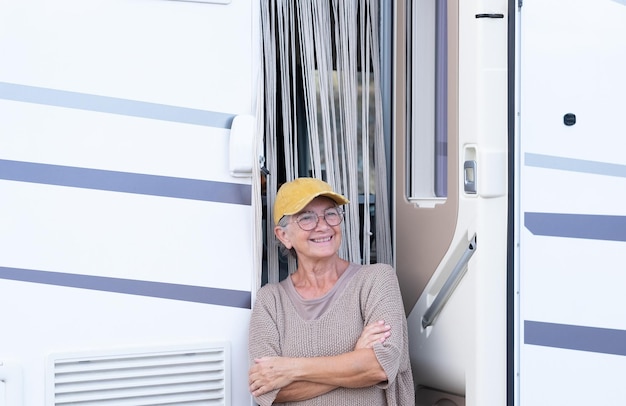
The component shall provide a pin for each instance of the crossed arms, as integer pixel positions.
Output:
(305, 378)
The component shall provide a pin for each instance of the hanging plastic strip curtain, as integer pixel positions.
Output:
(323, 115)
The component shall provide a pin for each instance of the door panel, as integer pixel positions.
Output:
(462, 349)
(572, 217)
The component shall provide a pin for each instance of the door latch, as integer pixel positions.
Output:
(469, 177)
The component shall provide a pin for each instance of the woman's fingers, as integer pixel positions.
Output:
(269, 373)
(373, 333)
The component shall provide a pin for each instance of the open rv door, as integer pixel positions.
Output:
(126, 230)
(572, 221)
(451, 199)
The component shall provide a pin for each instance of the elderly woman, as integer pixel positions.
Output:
(333, 332)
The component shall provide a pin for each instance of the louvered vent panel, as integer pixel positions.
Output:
(185, 376)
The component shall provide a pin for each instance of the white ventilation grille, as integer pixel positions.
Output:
(180, 376)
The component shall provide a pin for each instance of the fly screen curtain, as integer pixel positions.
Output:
(323, 117)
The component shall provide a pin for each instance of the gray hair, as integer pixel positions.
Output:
(283, 223)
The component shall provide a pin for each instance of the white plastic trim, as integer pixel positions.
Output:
(242, 146)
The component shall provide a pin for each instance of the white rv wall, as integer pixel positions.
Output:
(122, 227)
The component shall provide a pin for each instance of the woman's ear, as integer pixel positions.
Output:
(282, 236)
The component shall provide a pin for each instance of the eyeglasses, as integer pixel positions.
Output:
(308, 220)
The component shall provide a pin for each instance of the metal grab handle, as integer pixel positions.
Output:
(448, 287)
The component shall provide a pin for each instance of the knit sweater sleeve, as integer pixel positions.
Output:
(264, 337)
(383, 301)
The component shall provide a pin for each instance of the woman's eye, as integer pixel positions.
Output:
(307, 218)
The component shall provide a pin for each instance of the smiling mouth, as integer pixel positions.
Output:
(326, 239)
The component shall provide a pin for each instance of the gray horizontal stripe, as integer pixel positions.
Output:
(113, 105)
(587, 226)
(574, 165)
(581, 338)
(186, 293)
(98, 179)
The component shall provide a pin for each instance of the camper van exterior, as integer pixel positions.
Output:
(532, 232)
(127, 245)
(130, 242)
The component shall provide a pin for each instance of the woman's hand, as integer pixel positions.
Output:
(269, 373)
(376, 332)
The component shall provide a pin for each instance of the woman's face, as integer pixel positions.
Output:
(322, 241)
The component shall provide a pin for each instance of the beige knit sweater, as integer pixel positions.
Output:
(276, 329)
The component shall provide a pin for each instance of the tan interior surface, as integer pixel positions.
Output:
(422, 235)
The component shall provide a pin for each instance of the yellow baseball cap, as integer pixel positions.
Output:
(295, 195)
